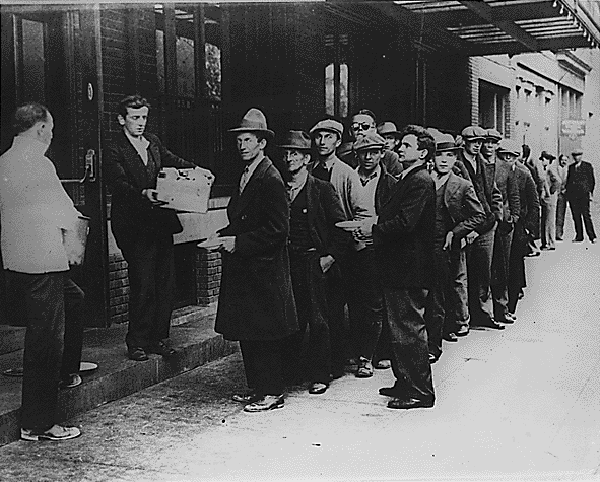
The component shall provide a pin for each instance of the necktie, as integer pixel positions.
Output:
(245, 178)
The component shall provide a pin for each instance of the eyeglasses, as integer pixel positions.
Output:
(363, 126)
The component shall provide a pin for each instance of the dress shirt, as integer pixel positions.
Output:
(140, 144)
(440, 180)
(249, 170)
(34, 208)
(472, 160)
(412, 167)
(295, 186)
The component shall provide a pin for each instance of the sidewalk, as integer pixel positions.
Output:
(522, 404)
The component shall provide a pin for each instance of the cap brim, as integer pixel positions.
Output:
(473, 138)
(295, 147)
(362, 148)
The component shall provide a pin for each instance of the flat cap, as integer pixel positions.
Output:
(577, 152)
(370, 140)
(472, 133)
(445, 142)
(510, 146)
(387, 128)
(296, 140)
(493, 134)
(328, 125)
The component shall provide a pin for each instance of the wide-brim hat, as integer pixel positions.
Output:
(512, 147)
(371, 140)
(329, 125)
(445, 142)
(299, 140)
(473, 133)
(388, 128)
(577, 152)
(254, 121)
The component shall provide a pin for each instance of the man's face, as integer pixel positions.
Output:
(562, 160)
(134, 122)
(45, 130)
(577, 157)
(369, 158)
(391, 141)
(361, 124)
(444, 161)
(249, 146)
(409, 150)
(488, 146)
(545, 161)
(473, 146)
(326, 142)
(294, 160)
(508, 157)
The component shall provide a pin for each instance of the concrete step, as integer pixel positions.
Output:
(117, 376)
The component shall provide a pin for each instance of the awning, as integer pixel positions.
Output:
(487, 27)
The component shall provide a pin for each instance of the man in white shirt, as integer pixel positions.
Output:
(36, 213)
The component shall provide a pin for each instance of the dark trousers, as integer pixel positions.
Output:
(561, 209)
(516, 280)
(151, 266)
(479, 269)
(435, 303)
(44, 299)
(580, 209)
(340, 294)
(500, 274)
(410, 356)
(310, 287)
(263, 365)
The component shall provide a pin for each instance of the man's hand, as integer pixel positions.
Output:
(448, 243)
(471, 237)
(326, 262)
(151, 194)
(365, 230)
(228, 244)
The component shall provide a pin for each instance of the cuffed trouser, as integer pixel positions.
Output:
(500, 270)
(151, 269)
(479, 267)
(263, 365)
(580, 209)
(548, 225)
(435, 303)
(561, 209)
(458, 295)
(410, 356)
(74, 318)
(310, 292)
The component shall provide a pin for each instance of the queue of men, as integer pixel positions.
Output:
(412, 239)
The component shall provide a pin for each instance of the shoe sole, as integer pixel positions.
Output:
(275, 407)
(51, 438)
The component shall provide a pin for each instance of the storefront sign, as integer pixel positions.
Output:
(572, 128)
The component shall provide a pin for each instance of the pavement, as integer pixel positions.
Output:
(521, 404)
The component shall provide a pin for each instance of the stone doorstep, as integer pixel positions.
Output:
(117, 376)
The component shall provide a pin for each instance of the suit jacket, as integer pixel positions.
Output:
(385, 187)
(529, 200)
(256, 300)
(132, 213)
(403, 235)
(580, 181)
(507, 185)
(324, 211)
(463, 205)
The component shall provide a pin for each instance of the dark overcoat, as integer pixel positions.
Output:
(403, 235)
(256, 300)
(132, 214)
(580, 181)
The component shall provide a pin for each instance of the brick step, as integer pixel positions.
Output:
(117, 376)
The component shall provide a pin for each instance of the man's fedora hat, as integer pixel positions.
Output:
(370, 140)
(493, 134)
(577, 152)
(507, 145)
(254, 121)
(388, 128)
(547, 155)
(473, 133)
(330, 125)
(299, 140)
(445, 142)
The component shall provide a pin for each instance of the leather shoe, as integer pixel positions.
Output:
(266, 403)
(433, 358)
(463, 330)
(162, 349)
(507, 320)
(406, 403)
(389, 392)
(317, 388)
(450, 337)
(365, 368)
(383, 364)
(492, 325)
(246, 398)
(577, 240)
(137, 353)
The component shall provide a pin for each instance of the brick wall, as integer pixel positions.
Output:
(474, 75)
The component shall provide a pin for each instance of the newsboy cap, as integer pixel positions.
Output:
(510, 146)
(472, 133)
(493, 134)
(254, 121)
(329, 125)
(388, 128)
(299, 140)
(577, 152)
(371, 140)
(445, 142)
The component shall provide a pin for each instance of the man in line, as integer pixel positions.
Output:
(580, 189)
(525, 225)
(403, 240)
(548, 200)
(377, 185)
(458, 212)
(256, 302)
(533, 165)
(480, 250)
(142, 230)
(390, 133)
(36, 213)
(315, 245)
(493, 156)
(562, 170)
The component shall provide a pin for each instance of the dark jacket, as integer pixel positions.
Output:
(256, 300)
(463, 205)
(132, 214)
(528, 199)
(580, 181)
(507, 185)
(403, 235)
(324, 211)
(385, 187)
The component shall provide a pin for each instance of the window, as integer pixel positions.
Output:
(570, 103)
(336, 75)
(493, 103)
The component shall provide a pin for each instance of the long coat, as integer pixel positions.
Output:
(256, 300)
(132, 213)
(403, 235)
(580, 181)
